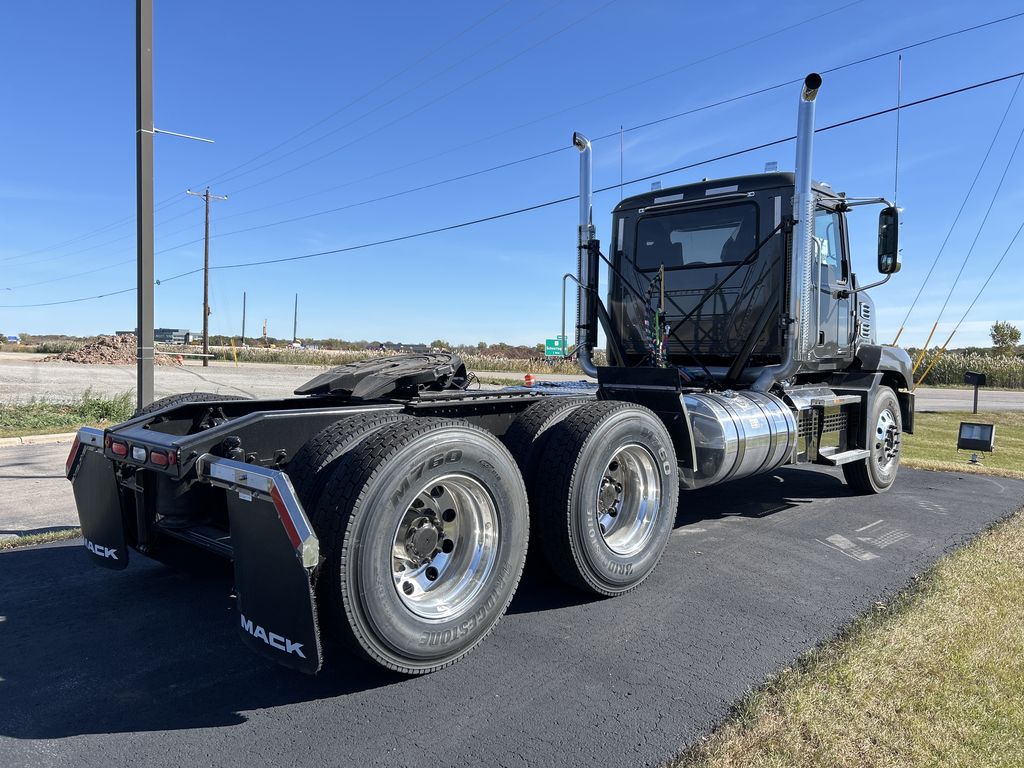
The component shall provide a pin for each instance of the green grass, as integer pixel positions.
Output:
(933, 678)
(13, 542)
(42, 417)
(933, 444)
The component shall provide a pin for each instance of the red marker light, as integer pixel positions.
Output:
(158, 457)
(118, 448)
(72, 456)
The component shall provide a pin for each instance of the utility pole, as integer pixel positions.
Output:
(243, 318)
(206, 270)
(144, 199)
(295, 322)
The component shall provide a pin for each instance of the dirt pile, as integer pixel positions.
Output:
(107, 350)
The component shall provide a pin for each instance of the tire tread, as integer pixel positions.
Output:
(555, 475)
(341, 500)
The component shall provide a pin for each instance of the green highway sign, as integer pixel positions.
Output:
(554, 347)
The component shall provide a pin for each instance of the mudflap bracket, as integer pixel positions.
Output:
(275, 555)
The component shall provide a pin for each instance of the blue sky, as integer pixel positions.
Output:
(388, 97)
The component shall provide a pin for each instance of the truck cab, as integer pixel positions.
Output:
(682, 241)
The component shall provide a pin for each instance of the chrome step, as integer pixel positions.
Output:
(830, 456)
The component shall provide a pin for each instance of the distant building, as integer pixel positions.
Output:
(404, 348)
(176, 336)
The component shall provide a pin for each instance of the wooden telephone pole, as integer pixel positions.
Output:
(206, 270)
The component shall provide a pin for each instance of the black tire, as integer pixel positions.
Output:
(877, 473)
(310, 468)
(585, 455)
(373, 491)
(526, 436)
(185, 397)
(526, 439)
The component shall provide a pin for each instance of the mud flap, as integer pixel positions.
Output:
(275, 555)
(99, 505)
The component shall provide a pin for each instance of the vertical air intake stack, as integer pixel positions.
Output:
(799, 337)
(586, 265)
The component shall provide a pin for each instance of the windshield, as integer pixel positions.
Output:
(708, 237)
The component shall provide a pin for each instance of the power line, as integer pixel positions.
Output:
(421, 107)
(970, 306)
(551, 152)
(548, 203)
(505, 34)
(531, 157)
(367, 93)
(981, 227)
(959, 212)
(176, 198)
(639, 126)
(988, 279)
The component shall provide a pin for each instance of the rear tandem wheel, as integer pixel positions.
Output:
(424, 533)
(607, 492)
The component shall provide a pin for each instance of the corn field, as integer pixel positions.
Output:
(1001, 371)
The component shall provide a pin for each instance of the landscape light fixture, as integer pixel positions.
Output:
(976, 437)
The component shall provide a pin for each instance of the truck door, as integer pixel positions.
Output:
(832, 273)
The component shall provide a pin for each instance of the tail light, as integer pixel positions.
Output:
(163, 458)
(118, 448)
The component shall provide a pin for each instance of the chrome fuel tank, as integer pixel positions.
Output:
(736, 434)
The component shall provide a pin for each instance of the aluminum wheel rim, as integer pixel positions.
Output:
(629, 499)
(445, 547)
(886, 447)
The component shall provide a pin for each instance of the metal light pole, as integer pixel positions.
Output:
(206, 270)
(144, 198)
(243, 318)
(295, 321)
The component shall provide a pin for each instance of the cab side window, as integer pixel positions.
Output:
(828, 239)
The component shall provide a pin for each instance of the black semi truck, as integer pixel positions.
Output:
(387, 506)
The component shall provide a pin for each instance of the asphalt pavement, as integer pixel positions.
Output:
(143, 667)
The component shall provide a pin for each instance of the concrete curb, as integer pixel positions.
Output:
(63, 437)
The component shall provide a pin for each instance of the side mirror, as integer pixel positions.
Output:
(889, 240)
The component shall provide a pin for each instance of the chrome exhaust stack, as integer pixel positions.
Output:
(799, 337)
(586, 262)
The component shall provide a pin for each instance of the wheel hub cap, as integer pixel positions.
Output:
(422, 540)
(445, 547)
(886, 447)
(629, 499)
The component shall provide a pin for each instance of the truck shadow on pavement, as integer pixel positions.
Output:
(85, 650)
(761, 495)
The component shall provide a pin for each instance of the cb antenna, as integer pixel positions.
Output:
(899, 102)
